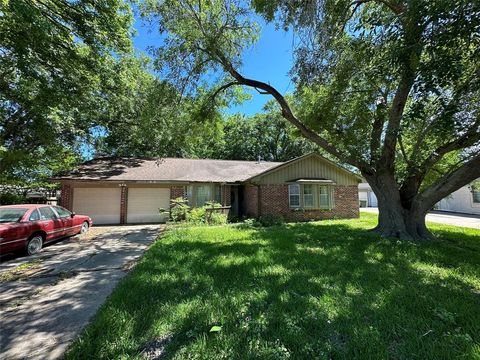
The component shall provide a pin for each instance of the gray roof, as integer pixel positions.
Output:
(167, 170)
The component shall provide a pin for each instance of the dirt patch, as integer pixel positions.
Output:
(22, 271)
(155, 349)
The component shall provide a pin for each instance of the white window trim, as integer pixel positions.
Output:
(316, 197)
(290, 195)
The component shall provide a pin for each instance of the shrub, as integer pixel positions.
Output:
(178, 209)
(270, 220)
(217, 218)
(11, 199)
(196, 216)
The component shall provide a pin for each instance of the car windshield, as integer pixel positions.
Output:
(11, 214)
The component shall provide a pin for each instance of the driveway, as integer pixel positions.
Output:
(47, 299)
(446, 218)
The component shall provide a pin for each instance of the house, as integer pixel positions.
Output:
(464, 200)
(132, 190)
(366, 196)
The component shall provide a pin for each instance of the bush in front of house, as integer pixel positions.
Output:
(12, 199)
(209, 214)
(270, 220)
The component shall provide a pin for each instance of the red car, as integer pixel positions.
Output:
(28, 227)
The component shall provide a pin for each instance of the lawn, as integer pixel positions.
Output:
(323, 290)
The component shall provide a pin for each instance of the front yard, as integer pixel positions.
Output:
(324, 290)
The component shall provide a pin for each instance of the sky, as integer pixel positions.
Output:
(269, 60)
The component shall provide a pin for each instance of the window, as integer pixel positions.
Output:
(308, 196)
(46, 213)
(294, 195)
(218, 194)
(189, 192)
(476, 195)
(34, 216)
(11, 214)
(323, 197)
(204, 194)
(63, 213)
(199, 195)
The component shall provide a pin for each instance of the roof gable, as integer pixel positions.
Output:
(318, 167)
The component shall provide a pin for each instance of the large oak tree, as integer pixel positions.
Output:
(60, 75)
(390, 87)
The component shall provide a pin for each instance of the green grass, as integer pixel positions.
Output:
(324, 290)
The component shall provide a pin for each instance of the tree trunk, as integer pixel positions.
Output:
(394, 220)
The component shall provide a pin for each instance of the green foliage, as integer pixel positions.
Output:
(266, 135)
(317, 290)
(270, 220)
(196, 216)
(59, 69)
(10, 199)
(217, 218)
(178, 209)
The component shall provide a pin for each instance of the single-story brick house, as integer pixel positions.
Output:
(131, 190)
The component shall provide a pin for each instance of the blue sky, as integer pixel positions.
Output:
(269, 60)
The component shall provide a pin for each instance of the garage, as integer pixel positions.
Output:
(101, 204)
(144, 203)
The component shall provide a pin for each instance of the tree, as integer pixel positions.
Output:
(159, 122)
(266, 135)
(390, 87)
(58, 60)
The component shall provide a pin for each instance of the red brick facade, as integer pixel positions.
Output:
(123, 204)
(251, 200)
(66, 196)
(273, 199)
(226, 191)
(176, 192)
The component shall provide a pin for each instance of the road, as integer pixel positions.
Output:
(447, 218)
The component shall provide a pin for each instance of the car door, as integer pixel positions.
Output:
(50, 223)
(68, 221)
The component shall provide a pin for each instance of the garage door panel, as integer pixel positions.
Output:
(144, 203)
(101, 204)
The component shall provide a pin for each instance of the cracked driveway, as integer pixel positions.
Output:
(43, 310)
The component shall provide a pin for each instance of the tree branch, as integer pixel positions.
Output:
(449, 183)
(287, 112)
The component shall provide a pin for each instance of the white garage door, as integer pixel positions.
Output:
(143, 204)
(101, 204)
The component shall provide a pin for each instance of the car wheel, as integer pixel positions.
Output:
(84, 228)
(35, 244)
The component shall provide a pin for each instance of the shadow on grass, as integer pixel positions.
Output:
(314, 290)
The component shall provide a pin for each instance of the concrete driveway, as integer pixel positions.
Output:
(47, 299)
(446, 218)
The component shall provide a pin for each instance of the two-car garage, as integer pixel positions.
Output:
(104, 204)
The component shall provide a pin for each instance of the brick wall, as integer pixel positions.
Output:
(66, 196)
(123, 204)
(274, 200)
(226, 191)
(176, 192)
(251, 200)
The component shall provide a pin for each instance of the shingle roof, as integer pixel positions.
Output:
(167, 170)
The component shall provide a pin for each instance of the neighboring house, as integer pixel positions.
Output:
(366, 196)
(464, 200)
(131, 190)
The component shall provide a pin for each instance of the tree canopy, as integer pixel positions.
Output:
(58, 59)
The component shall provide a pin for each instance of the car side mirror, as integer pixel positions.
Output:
(72, 214)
